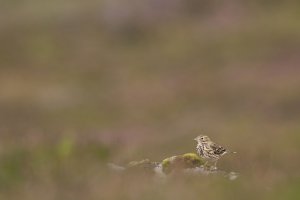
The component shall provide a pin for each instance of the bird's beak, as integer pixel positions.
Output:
(195, 139)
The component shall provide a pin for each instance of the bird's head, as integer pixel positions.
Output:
(202, 138)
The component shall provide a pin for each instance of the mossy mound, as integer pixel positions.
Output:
(185, 161)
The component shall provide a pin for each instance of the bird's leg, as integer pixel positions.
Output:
(206, 166)
(214, 166)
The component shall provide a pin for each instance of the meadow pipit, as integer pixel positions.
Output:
(209, 150)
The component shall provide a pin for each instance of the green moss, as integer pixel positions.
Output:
(167, 164)
(192, 160)
(188, 160)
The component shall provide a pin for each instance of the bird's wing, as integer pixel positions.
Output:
(219, 150)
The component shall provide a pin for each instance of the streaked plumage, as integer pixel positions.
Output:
(209, 150)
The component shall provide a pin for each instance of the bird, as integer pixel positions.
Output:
(210, 151)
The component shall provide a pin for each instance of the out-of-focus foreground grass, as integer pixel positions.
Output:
(83, 83)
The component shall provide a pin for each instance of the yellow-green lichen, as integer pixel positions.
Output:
(188, 160)
(192, 160)
(167, 164)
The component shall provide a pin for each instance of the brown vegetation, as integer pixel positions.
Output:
(84, 83)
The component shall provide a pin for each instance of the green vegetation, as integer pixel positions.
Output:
(185, 161)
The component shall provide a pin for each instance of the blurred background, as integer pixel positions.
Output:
(84, 83)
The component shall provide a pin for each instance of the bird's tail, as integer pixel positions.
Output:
(231, 152)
